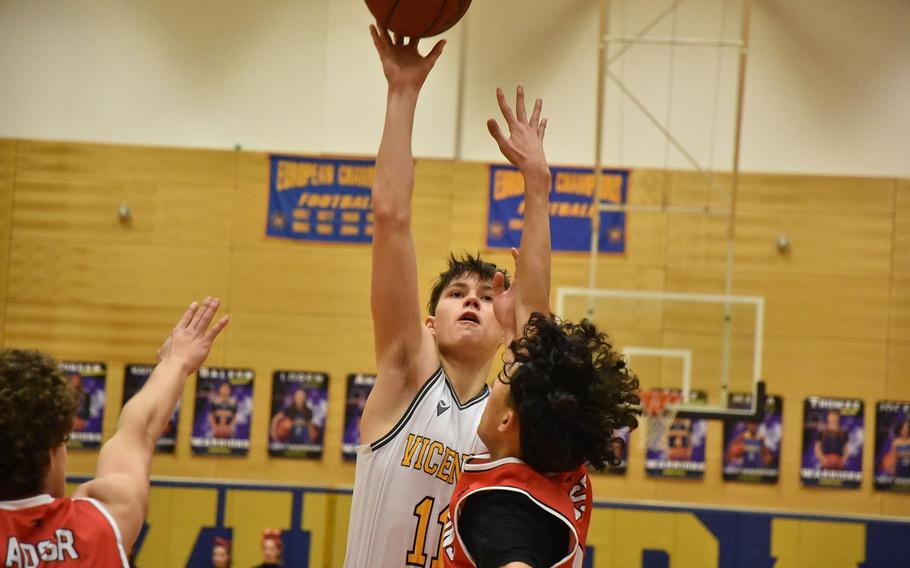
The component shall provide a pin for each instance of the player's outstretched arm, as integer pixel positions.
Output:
(121, 480)
(394, 295)
(524, 149)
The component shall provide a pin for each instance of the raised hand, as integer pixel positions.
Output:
(524, 145)
(504, 301)
(191, 339)
(402, 64)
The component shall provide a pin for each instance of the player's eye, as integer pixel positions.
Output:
(456, 294)
(488, 298)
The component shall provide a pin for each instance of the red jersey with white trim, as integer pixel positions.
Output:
(46, 532)
(567, 496)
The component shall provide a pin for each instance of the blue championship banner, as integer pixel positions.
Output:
(318, 199)
(571, 199)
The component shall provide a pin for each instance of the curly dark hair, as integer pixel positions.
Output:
(37, 406)
(466, 265)
(572, 391)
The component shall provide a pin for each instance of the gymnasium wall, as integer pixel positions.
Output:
(81, 285)
(184, 517)
(825, 88)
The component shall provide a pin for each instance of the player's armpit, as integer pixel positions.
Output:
(126, 499)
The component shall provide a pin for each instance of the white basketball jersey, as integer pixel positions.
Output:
(404, 480)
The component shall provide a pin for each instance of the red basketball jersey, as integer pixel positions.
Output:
(47, 532)
(565, 495)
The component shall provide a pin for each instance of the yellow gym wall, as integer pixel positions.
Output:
(78, 284)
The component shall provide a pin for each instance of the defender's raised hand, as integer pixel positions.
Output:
(524, 145)
(191, 339)
(504, 301)
(402, 64)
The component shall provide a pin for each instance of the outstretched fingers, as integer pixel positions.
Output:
(213, 331)
(187, 316)
(209, 314)
(504, 107)
(521, 113)
(499, 283)
(380, 39)
(194, 324)
(542, 129)
(514, 252)
(435, 52)
(535, 114)
(495, 131)
(497, 134)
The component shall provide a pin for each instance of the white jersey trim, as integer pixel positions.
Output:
(482, 395)
(402, 422)
(468, 466)
(27, 503)
(412, 408)
(113, 523)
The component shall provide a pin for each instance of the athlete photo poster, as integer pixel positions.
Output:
(88, 379)
(892, 445)
(752, 449)
(223, 411)
(297, 423)
(833, 437)
(358, 389)
(681, 453)
(622, 434)
(134, 378)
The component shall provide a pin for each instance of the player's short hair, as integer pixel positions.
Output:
(37, 407)
(572, 391)
(467, 265)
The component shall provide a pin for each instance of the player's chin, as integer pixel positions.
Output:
(475, 336)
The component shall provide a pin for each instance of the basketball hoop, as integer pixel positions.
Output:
(659, 407)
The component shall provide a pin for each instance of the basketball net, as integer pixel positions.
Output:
(659, 407)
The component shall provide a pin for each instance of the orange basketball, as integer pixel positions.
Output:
(418, 18)
(888, 462)
(737, 449)
(222, 431)
(832, 461)
(283, 429)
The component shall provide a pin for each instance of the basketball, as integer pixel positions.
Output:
(283, 429)
(418, 18)
(888, 462)
(222, 431)
(736, 450)
(832, 461)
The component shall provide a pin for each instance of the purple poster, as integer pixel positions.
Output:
(622, 434)
(359, 387)
(681, 451)
(223, 410)
(299, 404)
(134, 378)
(892, 446)
(833, 434)
(752, 449)
(88, 380)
